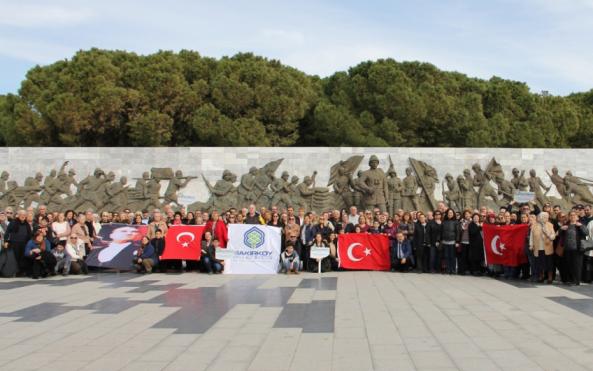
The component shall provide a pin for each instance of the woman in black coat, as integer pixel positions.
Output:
(476, 246)
(450, 239)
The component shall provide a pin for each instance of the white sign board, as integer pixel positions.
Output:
(256, 249)
(224, 254)
(319, 252)
(523, 196)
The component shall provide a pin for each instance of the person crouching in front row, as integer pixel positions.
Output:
(62, 259)
(209, 261)
(289, 260)
(401, 251)
(146, 258)
(76, 251)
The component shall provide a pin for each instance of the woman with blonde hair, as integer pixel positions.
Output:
(541, 243)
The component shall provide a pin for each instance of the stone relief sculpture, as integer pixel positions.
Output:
(342, 182)
(427, 179)
(452, 196)
(410, 191)
(394, 189)
(373, 183)
(368, 189)
(536, 185)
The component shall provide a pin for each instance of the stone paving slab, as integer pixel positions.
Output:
(336, 321)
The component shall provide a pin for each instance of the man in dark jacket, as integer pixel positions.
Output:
(17, 235)
(422, 243)
(401, 251)
(158, 242)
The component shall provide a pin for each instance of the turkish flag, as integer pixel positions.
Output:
(364, 251)
(183, 242)
(505, 244)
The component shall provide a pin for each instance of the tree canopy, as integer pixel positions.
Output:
(118, 98)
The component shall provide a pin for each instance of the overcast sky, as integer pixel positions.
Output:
(546, 43)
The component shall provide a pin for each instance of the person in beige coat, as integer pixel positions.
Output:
(541, 244)
(157, 223)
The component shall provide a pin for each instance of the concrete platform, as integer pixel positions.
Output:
(337, 321)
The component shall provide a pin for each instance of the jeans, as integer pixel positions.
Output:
(64, 264)
(287, 265)
(210, 265)
(449, 257)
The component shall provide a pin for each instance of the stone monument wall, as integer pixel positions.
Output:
(208, 164)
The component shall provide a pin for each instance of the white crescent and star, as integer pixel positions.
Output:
(494, 248)
(186, 244)
(367, 252)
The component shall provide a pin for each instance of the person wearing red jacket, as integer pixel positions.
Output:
(218, 229)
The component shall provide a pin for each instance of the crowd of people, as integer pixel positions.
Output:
(39, 242)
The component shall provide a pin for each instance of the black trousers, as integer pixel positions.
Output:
(43, 266)
(462, 258)
(423, 258)
(574, 264)
(19, 253)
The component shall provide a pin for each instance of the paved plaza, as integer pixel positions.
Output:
(341, 321)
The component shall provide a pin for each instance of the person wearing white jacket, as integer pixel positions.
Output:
(75, 249)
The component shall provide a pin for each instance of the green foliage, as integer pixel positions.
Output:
(117, 98)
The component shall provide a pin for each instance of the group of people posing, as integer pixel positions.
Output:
(38, 242)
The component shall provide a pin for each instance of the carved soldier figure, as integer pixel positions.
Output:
(3, 179)
(519, 182)
(395, 188)
(246, 189)
(281, 189)
(89, 189)
(342, 186)
(535, 186)
(118, 195)
(175, 185)
(223, 193)
(410, 189)
(506, 189)
(453, 194)
(66, 181)
(306, 191)
(485, 189)
(153, 188)
(429, 181)
(295, 197)
(580, 190)
(373, 183)
(357, 190)
(263, 179)
(467, 192)
(559, 183)
(32, 187)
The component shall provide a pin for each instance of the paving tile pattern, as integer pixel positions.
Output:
(343, 321)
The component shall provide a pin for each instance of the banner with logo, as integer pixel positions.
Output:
(115, 244)
(256, 249)
(183, 242)
(364, 251)
(505, 244)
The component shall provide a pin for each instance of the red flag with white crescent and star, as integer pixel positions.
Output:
(183, 242)
(364, 251)
(505, 244)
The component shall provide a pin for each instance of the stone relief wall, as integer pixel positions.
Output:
(314, 178)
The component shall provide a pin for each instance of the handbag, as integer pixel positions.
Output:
(586, 245)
